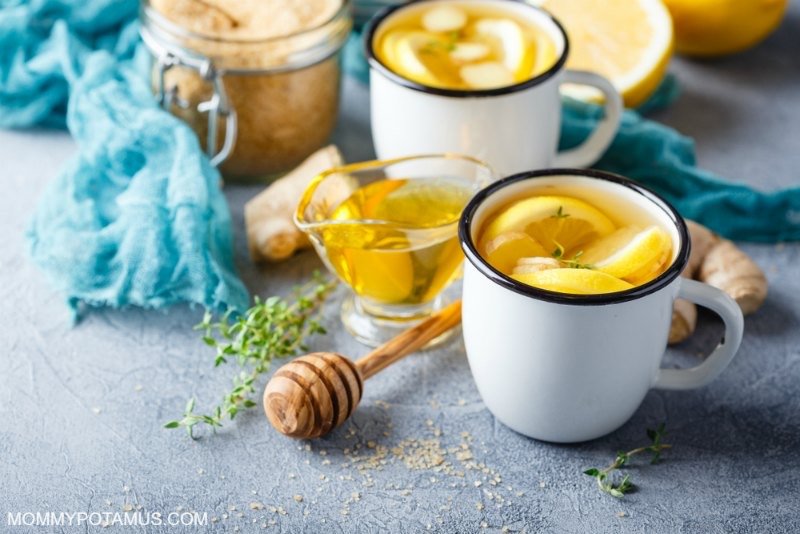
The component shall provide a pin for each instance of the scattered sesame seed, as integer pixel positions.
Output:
(298, 498)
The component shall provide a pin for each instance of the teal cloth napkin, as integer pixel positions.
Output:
(664, 160)
(137, 217)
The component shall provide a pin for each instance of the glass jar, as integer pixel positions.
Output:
(260, 106)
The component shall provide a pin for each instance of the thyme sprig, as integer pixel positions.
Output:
(605, 477)
(270, 329)
(574, 263)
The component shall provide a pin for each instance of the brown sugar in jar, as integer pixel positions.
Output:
(258, 80)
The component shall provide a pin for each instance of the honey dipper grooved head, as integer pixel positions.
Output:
(310, 396)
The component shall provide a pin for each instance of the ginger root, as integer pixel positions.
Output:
(684, 321)
(719, 263)
(728, 268)
(684, 313)
(269, 216)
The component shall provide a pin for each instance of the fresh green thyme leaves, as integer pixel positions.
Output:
(270, 329)
(618, 487)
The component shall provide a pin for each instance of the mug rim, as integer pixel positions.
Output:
(506, 282)
(377, 64)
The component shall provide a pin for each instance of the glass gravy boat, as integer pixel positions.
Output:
(388, 230)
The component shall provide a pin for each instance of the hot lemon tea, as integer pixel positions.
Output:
(465, 46)
(569, 241)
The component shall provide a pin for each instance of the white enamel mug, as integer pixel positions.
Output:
(568, 368)
(513, 129)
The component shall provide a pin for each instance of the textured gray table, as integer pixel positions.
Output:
(82, 409)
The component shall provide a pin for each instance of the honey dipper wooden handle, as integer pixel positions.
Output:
(310, 396)
(410, 341)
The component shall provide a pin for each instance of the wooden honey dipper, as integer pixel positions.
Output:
(313, 394)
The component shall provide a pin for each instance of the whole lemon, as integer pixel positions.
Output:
(719, 27)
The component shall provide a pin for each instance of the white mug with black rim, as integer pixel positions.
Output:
(567, 368)
(513, 128)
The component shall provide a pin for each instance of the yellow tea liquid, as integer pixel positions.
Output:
(394, 241)
(454, 45)
(576, 239)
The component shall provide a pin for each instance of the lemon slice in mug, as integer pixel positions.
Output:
(629, 252)
(558, 223)
(573, 281)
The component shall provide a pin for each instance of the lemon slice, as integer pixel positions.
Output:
(643, 276)
(504, 251)
(406, 49)
(419, 203)
(556, 222)
(508, 35)
(575, 281)
(386, 277)
(628, 251)
(629, 43)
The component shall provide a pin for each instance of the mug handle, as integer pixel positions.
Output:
(719, 302)
(593, 147)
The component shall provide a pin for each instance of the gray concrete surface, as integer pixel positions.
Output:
(82, 409)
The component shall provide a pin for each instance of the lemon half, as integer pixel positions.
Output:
(630, 43)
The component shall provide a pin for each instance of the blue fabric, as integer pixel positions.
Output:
(137, 217)
(664, 160)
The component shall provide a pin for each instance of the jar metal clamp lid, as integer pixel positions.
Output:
(217, 106)
(167, 42)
